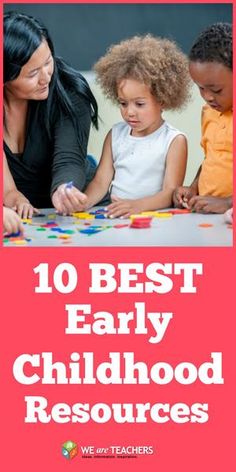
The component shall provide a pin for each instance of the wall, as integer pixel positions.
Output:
(82, 32)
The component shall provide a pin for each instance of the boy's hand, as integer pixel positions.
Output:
(182, 195)
(123, 207)
(209, 204)
(228, 216)
(67, 200)
(11, 221)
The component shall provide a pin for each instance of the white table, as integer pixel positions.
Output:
(178, 230)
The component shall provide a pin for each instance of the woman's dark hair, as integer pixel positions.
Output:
(23, 34)
(214, 45)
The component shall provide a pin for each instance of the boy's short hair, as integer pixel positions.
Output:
(214, 44)
(156, 62)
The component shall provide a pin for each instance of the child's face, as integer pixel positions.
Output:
(215, 82)
(139, 108)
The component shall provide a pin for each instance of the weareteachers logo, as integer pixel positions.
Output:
(69, 449)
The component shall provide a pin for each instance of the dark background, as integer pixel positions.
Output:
(82, 32)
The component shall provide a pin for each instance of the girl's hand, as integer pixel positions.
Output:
(11, 221)
(67, 200)
(123, 207)
(182, 195)
(208, 204)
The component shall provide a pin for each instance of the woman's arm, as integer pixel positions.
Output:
(9, 188)
(69, 157)
(70, 146)
(174, 175)
(12, 198)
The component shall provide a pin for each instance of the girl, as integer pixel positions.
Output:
(211, 62)
(143, 157)
(48, 109)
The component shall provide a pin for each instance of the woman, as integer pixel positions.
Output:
(48, 109)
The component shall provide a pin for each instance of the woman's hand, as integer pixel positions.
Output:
(11, 221)
(123, 207)
(18, 202)
(68, 199)
(24, 208)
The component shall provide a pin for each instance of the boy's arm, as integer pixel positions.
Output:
(194, 183)
(174, 175)
(100, 184)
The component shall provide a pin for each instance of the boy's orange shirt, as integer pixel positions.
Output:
(216, 177)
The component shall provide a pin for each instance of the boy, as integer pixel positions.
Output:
(211, 69)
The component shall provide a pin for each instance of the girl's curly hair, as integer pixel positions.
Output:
(156, 62)
(214, 45)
